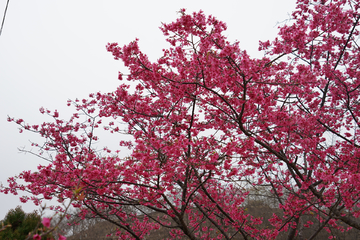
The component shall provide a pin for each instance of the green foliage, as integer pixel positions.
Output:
(20, 224)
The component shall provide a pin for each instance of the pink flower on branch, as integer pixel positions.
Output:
(46, 222)
(37, 237)
(61, 237)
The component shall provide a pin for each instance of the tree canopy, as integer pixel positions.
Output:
(210, 126)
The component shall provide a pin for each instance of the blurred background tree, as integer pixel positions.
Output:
(17, 224)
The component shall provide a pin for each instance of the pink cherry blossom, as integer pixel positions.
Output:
(61, 237)
(46, 222)
(37, 237)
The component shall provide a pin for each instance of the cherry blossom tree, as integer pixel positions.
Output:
(209, 125)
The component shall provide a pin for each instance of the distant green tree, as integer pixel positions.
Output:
(17, 224)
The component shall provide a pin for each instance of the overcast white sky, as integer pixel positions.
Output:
(52, 51)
